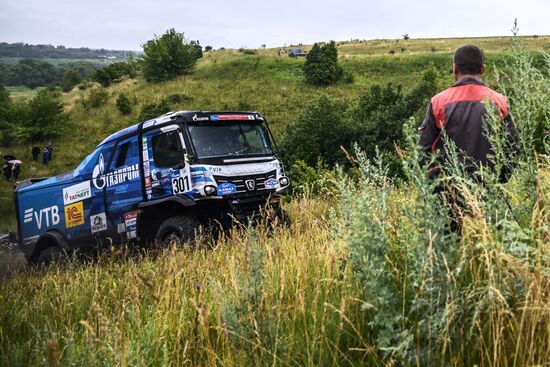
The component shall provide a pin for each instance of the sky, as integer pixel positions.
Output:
(126, 25)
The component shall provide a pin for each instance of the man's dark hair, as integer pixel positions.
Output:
(469, 59)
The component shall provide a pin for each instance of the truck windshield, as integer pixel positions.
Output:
(229, 139)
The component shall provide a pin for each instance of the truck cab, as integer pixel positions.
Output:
(154, 181)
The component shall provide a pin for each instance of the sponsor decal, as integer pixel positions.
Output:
(77, 192)
(100, 179)
(250, 184)
(98, 222)
(196, 118)
(47, 216)
(271, 184)
(130, 221)
(121, 228)
(226, 188)
(74, 215)
(231, 117)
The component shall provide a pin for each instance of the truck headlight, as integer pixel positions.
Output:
(284, 181)
(209, 189)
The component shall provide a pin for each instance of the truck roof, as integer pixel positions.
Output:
(170, 116)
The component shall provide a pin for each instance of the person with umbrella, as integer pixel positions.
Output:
(12, 167)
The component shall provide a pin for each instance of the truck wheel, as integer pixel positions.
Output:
(279, 218)
(49, 255)
(179, 230)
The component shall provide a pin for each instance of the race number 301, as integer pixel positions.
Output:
(180, 185)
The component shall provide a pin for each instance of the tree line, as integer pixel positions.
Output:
(24, 50)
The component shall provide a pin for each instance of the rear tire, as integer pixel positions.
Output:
(179, 230)
(53, 254)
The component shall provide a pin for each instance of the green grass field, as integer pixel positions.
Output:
(361, 279)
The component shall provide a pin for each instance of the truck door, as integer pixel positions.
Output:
(165, 163)
(122, 183)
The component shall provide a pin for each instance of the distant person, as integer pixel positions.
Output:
(45, 156)
(459, 111)
(15, 170)
(50, 149)
(281, 52)
(35, 152)
(7, 171)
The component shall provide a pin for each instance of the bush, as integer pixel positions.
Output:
(321, 66)
(96, 98)
(168, 56)
(41, 117)
(6, 123)
(318, 133)
(123, 104)
(114, 72)
(152, 110)
(70, 79)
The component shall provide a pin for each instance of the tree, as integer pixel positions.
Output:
(114, 72)
(42, 117)
(318, 133)
(208, 49)
(406, 37)
(6, 126)
(123, 104)
(168, 56)
(70, 79)
(198, 48)
(321, 66)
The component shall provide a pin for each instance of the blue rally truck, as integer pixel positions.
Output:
(157, 180)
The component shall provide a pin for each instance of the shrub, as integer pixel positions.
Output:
(318, 133)
(114, 72)
(70, 79)
(123, 104)
(168, 56)
(41, 117)
(96, 98)
(152, 110)
(321, 66)
(6, 123)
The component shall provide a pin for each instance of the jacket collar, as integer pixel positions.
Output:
(469, 80)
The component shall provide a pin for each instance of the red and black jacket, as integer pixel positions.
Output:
(460, 111)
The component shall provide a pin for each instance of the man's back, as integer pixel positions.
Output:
(460, 111)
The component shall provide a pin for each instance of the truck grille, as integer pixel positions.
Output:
(240, 181)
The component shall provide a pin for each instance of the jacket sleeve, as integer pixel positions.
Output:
(428, 131)
(512, 148)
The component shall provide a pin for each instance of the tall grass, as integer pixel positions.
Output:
(434, 296)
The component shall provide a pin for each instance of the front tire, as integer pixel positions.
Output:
(179, 230)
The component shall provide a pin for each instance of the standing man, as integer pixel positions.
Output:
(460, 111)
(35, 152)
(45, 156)
(50, 150)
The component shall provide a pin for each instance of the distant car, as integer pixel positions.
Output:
(297, 52)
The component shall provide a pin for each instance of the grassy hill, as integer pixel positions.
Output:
(368, 277)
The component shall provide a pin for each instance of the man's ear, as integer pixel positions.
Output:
(455, 71)
(483, 69)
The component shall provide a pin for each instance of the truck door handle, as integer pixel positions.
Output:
(158, 190)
